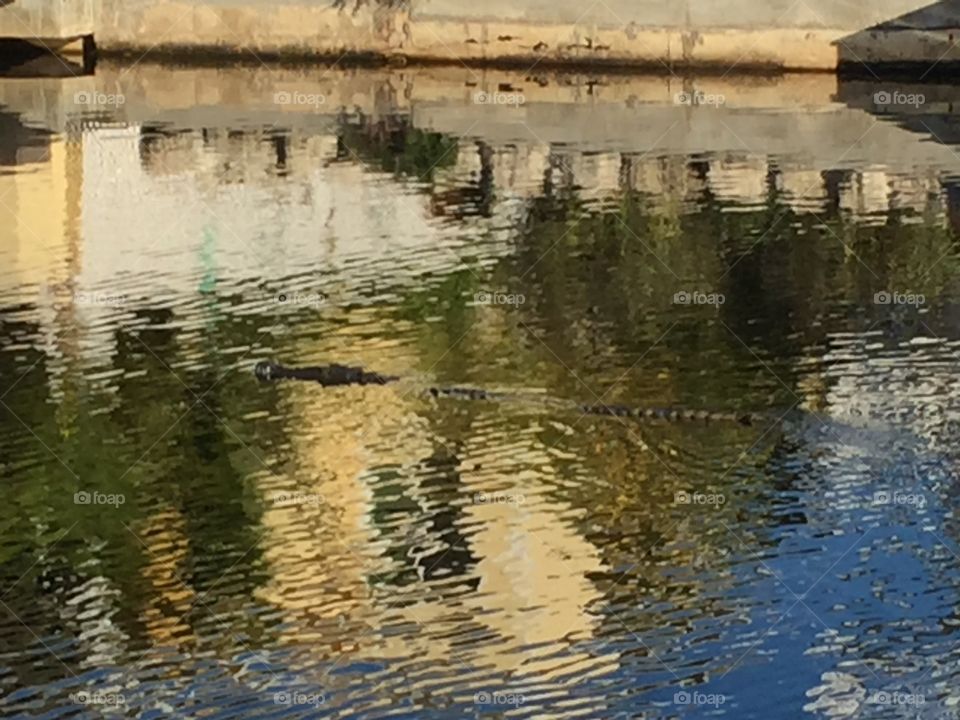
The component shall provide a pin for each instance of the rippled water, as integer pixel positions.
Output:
(179, 540)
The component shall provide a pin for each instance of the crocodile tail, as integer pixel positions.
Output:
(462, 392)
(608, 410)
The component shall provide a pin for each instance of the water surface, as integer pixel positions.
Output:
(178, 540)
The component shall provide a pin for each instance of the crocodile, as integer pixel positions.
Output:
(341, 375)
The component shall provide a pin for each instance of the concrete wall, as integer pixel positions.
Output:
(47, 19)
(724, 34)
(680, 14)
(250, 29)
(811, 34)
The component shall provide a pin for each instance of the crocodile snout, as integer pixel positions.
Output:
(265, 370)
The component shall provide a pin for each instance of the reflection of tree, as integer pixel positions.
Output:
(476, 198)
(782, 273)
(18, 141)
(420, 519)
(394, 145)
(601, 288)
(166, 462)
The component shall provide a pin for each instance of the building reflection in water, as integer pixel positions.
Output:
(519, 591)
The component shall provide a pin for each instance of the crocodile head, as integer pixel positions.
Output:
(265, 370)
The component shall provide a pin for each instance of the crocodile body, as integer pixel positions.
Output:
(340, 375)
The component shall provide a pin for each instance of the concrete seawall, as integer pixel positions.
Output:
(722, 34)
(48, 23)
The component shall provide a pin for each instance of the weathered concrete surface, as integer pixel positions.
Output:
(805, 34)
(723, 34)
(47, 21)
(679, 14)
(527, 44)
(254, 29)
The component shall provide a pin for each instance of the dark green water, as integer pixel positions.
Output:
(178, 540)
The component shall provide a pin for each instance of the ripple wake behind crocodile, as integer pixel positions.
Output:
(341, 375)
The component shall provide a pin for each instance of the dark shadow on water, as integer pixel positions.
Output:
(930, 109)
(20, 144)
(20, 59)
